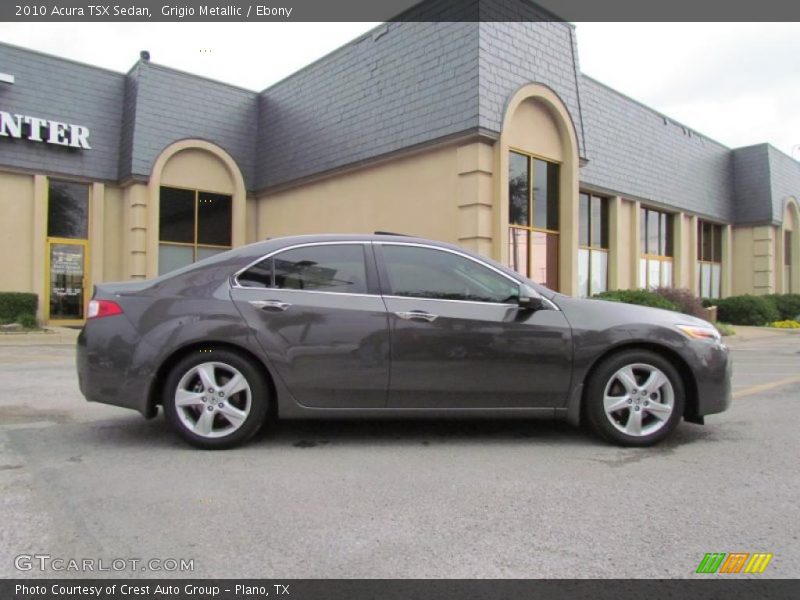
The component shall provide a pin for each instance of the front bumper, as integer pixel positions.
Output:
(713, 369)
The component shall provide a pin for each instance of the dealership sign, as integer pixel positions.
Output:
(46, 131)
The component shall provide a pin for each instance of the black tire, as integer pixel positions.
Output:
(652, 428)
(253, 401)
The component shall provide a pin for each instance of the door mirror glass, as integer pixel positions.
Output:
(530, 299)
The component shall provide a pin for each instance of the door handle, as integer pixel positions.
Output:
(266, 304)
(416, 315)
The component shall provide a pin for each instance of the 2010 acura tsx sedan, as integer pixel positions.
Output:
(371, 326)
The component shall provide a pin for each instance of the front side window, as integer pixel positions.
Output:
(533, 225)
(656, 249)
(593, 245)
(192, 225)
(429, 273)
(327, 268)
(709, 259)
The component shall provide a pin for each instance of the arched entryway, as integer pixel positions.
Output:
(196, 205)
(789, 257)
(538, 189)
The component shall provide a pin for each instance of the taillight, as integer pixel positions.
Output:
(103, 308)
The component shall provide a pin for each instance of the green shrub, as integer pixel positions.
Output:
(725, 329)
(788, 305)
(13, 304)
(685, 300)
(641, 297)
(747, 310)
(28, 321)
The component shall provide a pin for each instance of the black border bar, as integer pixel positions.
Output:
(706, 587)
(406, 10)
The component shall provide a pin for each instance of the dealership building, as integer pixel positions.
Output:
(484, 134)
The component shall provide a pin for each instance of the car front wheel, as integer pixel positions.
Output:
(635, 398)
(215, 399)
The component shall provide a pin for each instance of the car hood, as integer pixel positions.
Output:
(604, 313)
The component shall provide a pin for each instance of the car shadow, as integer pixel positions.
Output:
(311, 434)
(132, 432)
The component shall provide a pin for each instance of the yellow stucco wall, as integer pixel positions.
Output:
(16, 232)
(113, 238)
(742, 260)
(415, 195)
(625, 244)
(199, 170)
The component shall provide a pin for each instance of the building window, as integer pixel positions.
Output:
(787, 262)
(593, 245)
(655, 263)
(192, 225)
(68, 210)
(533, 194)
(709, 259)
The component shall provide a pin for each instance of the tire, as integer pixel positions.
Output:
(215, 399)
(634, 398)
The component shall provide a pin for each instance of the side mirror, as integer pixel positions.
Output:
(529, 298)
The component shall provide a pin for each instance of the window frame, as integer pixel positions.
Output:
(668, 243)
(531, 228)
(369, 267)
(591, 247)
(195, 246)
(709, 263)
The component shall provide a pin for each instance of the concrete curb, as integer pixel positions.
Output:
(49, 336)
(746, 333)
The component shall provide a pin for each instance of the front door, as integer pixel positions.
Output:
(66, 281)
(459, 340)
(319, 318)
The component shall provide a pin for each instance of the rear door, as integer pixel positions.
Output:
(318, 316)
(459, 339)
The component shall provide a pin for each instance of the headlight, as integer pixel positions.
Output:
(701, 332)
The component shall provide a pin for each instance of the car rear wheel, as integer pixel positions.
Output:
(635, 398)
(215, 399)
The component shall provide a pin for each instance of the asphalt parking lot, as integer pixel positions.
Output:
(400, 499)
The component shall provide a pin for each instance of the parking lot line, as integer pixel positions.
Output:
(755, 389)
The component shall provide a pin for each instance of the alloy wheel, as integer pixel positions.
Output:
(213, 399)
(638, 399)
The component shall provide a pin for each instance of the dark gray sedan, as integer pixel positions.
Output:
(357, 326)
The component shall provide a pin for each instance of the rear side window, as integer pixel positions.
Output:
(329, 268)
(428, 273)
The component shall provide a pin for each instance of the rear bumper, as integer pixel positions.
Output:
(106, 360)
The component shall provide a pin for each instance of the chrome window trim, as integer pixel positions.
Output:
(504, 305)
(279, 290)
(237, 286)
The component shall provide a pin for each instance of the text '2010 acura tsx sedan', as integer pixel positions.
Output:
(371, 326)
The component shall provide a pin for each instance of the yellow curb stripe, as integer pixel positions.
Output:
(764, 387)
